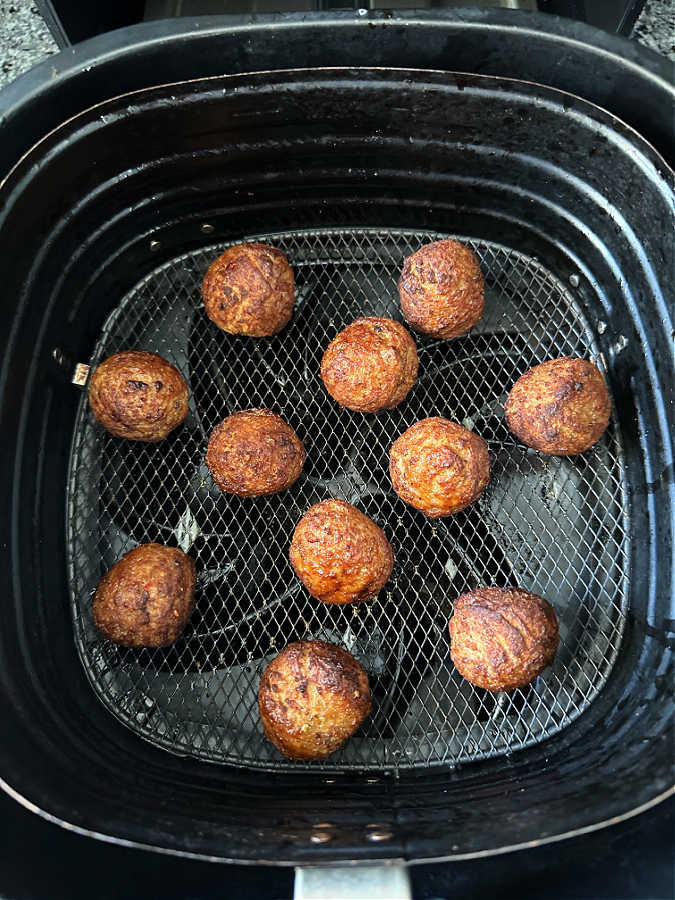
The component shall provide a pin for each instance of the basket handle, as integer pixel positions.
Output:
(389, 882)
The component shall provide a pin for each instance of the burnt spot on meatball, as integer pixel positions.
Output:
(371, 365)
(147, 598)
(442, 290)
(560, 407)
(313, 696)
(439, 467)
(254, 452)
(138, 395)
(502, 638)
(339, 554)
(249, 290)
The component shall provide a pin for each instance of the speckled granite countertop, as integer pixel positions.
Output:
(656, 27)
(25, 39)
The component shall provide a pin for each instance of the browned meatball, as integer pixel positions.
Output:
(560, 407)
(502, 638)
(313, 696)
(339, 554)
(254, 452)
(371, 365)
(249, 290)
(138, 395)
(439, 467)
(147, 597)
(441, 289)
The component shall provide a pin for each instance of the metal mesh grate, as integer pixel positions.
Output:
(555, 526)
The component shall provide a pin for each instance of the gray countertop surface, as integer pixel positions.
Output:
(656, 27)
(25, 39)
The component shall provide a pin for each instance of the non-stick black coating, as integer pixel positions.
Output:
(243, 151)
(629, 80)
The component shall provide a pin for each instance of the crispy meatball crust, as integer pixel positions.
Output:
(138, 395)
(502, 638)
(442, 289)
(371, 365)
(249, 290)
(147, 597)
(313, 696)
(560, 407)
(339, 554)
(254, 452)
(439, 467)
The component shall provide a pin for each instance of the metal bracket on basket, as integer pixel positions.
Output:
(77, 372)
(352, 883)
(80, 374)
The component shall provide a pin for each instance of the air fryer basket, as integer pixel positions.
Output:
(112, 220)
(555, 526)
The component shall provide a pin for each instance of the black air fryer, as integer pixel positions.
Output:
(348, 141)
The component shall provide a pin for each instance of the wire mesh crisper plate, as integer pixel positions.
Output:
(553, 525)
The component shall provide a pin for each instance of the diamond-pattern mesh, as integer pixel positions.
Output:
(553, 525)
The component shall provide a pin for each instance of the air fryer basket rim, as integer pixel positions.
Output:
(393, 861)
(458, 75)
(293, 861)
(485, 38)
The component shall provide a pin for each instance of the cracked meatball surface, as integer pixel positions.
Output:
(313, 696)
(147, 597)
(254, 452)
(138, 395)
(439, 467)
(502, 638)
(339, 554)
(442, 290)
(370, 365)
(250, 290)
(560, 407)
